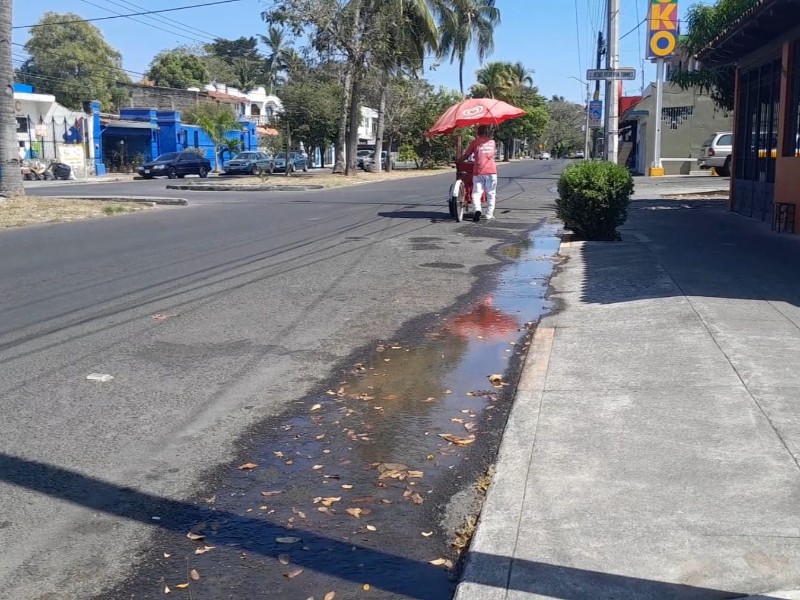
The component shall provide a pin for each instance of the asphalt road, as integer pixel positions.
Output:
(260, 296)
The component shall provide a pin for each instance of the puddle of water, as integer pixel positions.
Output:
(361, 476)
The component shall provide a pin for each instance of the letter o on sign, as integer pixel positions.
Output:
(662, 43)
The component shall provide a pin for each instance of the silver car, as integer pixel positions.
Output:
(716, 153)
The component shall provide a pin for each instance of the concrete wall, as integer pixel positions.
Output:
(688, 119)
(141, 96)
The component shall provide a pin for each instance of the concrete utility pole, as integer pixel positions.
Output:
(10, 173)
(612, 86)
(601, 50)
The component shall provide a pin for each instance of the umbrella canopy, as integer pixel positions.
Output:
(475, 111)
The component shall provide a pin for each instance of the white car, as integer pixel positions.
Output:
(544, 156)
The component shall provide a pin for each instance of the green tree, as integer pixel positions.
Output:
(236, 62)
(70, 59)
(10, 174)
(278, 56)
(564, 132)
(703, 23)
(218, 121)
(178, 69)
(464, 24)
(426, 109)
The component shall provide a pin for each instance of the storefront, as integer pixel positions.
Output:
(765, 47)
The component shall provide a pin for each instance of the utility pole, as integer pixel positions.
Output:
(601, 50)
(612, 86)
(10, 173)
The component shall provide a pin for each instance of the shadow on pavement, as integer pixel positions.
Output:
(416, 214)
(337, 560)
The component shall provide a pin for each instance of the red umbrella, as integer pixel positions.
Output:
(475, 111)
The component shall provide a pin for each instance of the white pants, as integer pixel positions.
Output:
(489, 183)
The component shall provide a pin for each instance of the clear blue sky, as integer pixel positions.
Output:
(544, 34)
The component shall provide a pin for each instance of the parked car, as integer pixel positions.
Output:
(296, 162)
(544, 156)
(249, 163)
(580, 154)
(716, 153)
(384, 161)
(362, 156)
(176, 165)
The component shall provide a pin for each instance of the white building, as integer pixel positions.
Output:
(259, 107)
(48, 131)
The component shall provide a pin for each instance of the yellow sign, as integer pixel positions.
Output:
(663, 27)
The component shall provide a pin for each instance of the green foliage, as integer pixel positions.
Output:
(218, 121)
(593, 199)
(564, 132)
(408, 153)
(73, 62)
(311, 105)
(237, 63)
(426, 109)
(178, 69)
(703, 23)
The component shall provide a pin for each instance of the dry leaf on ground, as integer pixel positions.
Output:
(330, 596)
(182, 586)
(496, 380)
(204, 549)
(284, 559)
(330, 501)
(167, 590)
(347, 486)
(372, 528)
(427, 533)
(355, 512)
(194, 575)
(416, 498)
(457, 440)
(293, 574)
(196, 537)
(442, 562)
(316, 407)
(248, 466)
(272, 493)
(287, 540)
(470, 426)
(318, 467)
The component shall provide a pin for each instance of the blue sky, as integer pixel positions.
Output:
(546, 35)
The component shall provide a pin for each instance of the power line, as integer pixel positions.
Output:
(165, 20)
(138, 14)
(90, 62)
(635, 29)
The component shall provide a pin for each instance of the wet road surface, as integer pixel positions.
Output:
(338, 379)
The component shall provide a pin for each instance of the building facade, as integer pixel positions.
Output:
(764, 46)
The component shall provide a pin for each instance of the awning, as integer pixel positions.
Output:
(635, 115)
(109, 124)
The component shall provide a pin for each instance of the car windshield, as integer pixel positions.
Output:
(281, 156)
(247, 156)
(169, 156)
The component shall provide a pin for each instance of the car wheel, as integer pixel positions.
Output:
(172, 173)
(203, 172)
(254, 170)
(725, 170)
(271, 170)
(305, 168)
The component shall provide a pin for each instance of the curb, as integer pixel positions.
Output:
(490, 556)
(244, 188)
(138, 199)
(780, 595)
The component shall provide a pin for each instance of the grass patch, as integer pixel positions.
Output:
(328, 180)
(21, 212)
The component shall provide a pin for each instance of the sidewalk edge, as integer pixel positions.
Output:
(489, 559)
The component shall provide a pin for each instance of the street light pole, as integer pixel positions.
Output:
(586, 142)
(612, 86)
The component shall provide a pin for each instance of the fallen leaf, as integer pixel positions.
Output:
(204, 549)
(323, 509)
(318, 467)
(386, 501)
(293, 574)
(248, 466)
(470, 426)
(347, 486)
(182, 586)
(283, 559)
(457, 420)
(194, 575)
(330, 501)
(278, 454)
(391, 467)
(355, 512)
(316, 407)
(415, 474)
(301, 514)
(273, 493)
(427, 533)
(167, 555)
(287, 540)
(430, 457)
(167, 590)
(458, 441)
(195, 536)
(416, 498)
(439, 562)
(330, 596)
(366, 587)
(372, 528)
(496, 380)
(320, 437)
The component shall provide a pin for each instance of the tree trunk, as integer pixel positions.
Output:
(389, 142)
(355, 122)
(288, 148)
(461, 74)
(381, 126)
(217, 150)
(10, 173)
(341, 138)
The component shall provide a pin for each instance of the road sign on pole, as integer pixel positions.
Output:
(626, 74)
(596, 114)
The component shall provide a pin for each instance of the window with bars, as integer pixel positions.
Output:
(791, 146)
(757, 124)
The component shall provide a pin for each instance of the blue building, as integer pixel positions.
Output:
(141, 134)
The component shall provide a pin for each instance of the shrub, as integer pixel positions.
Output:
(593, 199)
(407, 153)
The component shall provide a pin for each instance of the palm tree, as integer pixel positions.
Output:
(217, 120)
(495, 80)
(522, 76)
(409, 30)
(467, 23)
(10, 173)
(279, 54)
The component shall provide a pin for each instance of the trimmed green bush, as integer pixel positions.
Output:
(593, 199)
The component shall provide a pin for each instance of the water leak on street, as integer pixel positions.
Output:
(350, 495)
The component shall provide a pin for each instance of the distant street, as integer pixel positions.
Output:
(210, 319)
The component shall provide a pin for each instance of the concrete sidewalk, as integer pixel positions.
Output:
(652, 448)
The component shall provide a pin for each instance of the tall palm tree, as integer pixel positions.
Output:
(522, 76)
(464, 24)
(495, 80)
(279, 53)
(10, 174)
